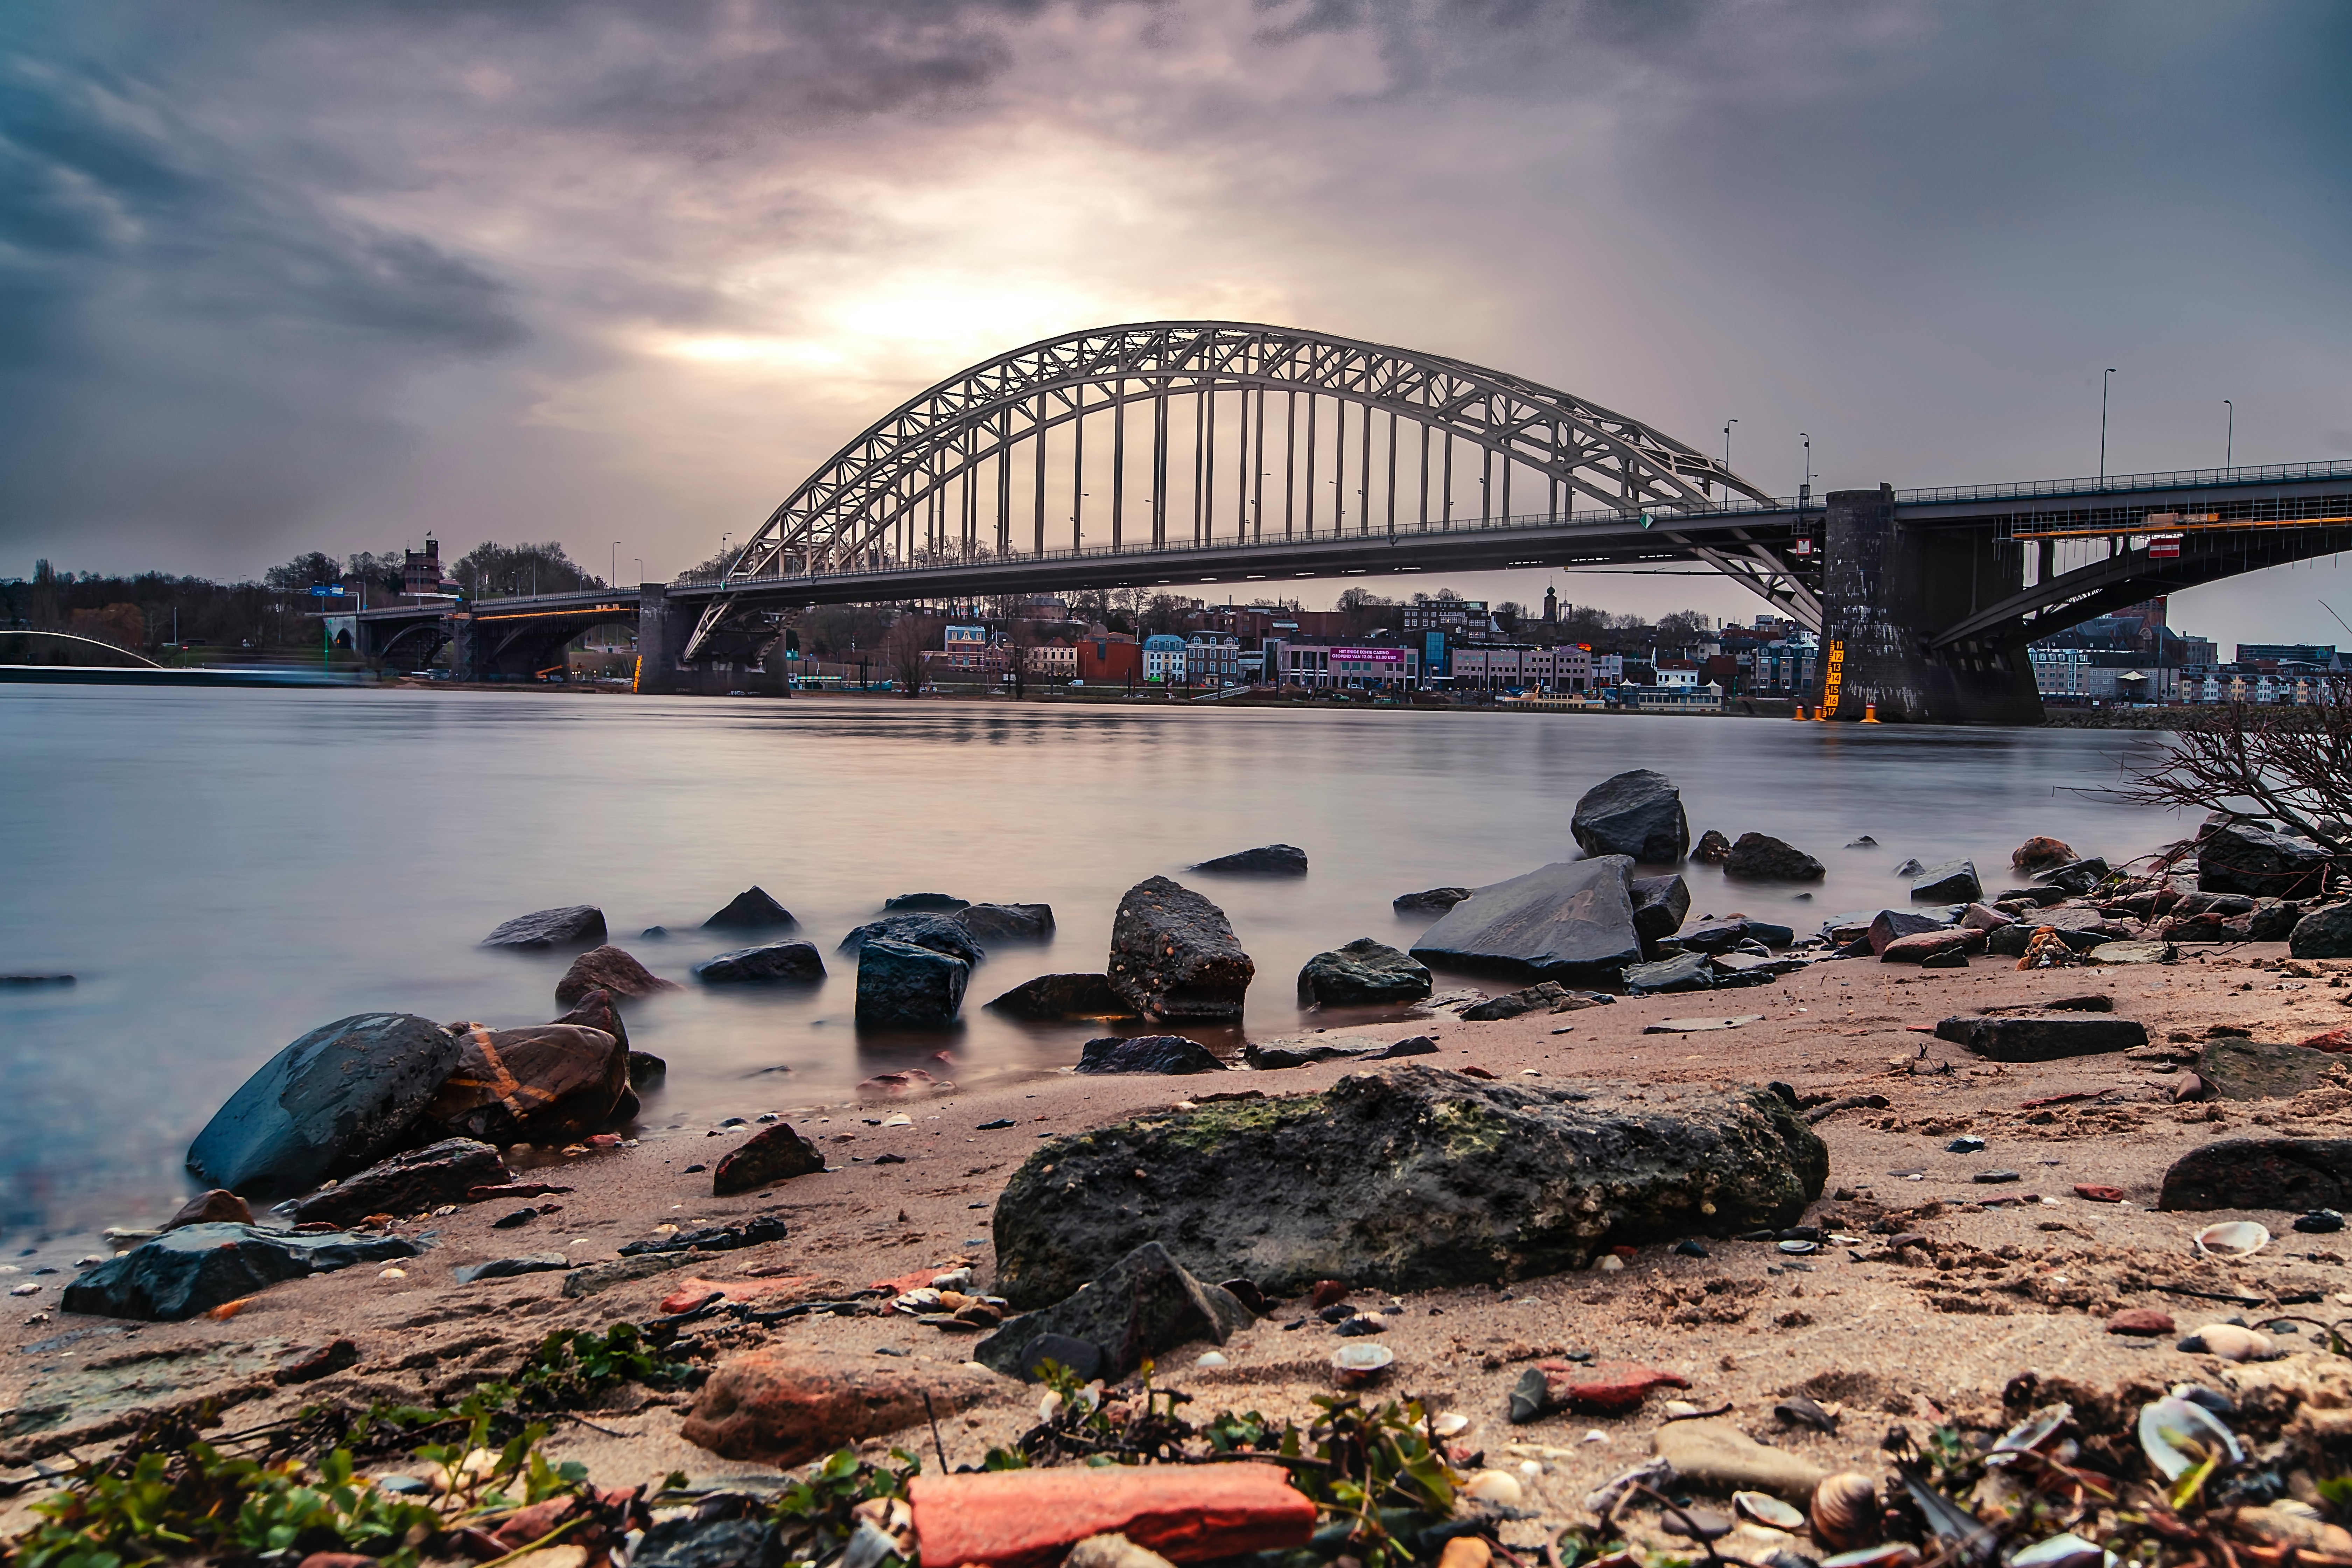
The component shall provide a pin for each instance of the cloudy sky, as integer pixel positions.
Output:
(276, 276)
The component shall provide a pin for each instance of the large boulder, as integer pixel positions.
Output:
(1680, 972)
(597, 1010)
(2295, 1173)
(780, 1408)
(770, 1154)
(1759, 857)
(1722, 936)
(1144, 1304)
(608, 969)
(198, 1268)
(1007, 922)
(334, 1102)
(1267, 860)
(1952, 882)
(2241, 1067)
(1174, 955)
(940, 933)
(1892, 925)
(2245, 858)
(775, 963)
(2044, 1038)
(2040, 854)
(2324, 933)
(943, 903)
(1638, 815)
(2076, 877)
(902, 986)
(1407, 1178)
(1712, 848)
(1362, 973)
(581, 924)
(416, 1182)
(1661, 904)
(1572, 919)
(554, 1082)
(1429, 900)
(1050, 997)
(751, 909)
(1167, 1055)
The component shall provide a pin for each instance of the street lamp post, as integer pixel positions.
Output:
(612, 566)
(1805, 489)
(1727, 441)
(2229, 440)
(2103, 425)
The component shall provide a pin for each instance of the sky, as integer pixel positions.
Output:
(277, 276)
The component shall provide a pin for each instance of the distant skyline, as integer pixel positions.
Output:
(276, 276)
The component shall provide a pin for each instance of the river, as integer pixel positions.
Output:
(224, 870)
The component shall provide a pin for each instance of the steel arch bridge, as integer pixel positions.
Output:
(992, 462)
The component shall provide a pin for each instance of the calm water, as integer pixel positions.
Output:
(224, 870)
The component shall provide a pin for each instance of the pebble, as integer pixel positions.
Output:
(2231, 1343)
(1965, 1146)
(25, 1291)
(392, 1274)
(2320, 1222)
(1000, 1121)
(1612, 1263)
(1211, 1358)
(1991, 1177)
(2146, 1322)
(1689, 1248)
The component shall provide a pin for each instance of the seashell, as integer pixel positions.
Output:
(1612, 1263)
(953, 1279)
(1682, 1408)
(392, 1274)
(1696, 1524)
(1891, 1554)
(1361, 1362)
(1767, 1510)
(1466, 1551)
(1211, 1358)
(1800, 1249)
(1048, 1407)
(1450, 1424)
(2232, 1238)
(1529, 1468)
(2165, 1424)
(2065, 1550)
(2232, 1343)
(2028, 1435)
(1491, 1486)
(1846, 1512)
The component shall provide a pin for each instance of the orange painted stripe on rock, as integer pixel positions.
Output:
(1020, 1519)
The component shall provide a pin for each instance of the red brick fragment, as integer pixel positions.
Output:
(2092, 1191)
(1611, 1388)
(1023, 1518)
(2147, 1323)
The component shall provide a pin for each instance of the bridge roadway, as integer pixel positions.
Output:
(1936, 590)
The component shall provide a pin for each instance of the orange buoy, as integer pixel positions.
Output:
(1870, 712)
(1800, 714)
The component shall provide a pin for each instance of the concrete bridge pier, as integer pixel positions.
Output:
(1887, 590)
(662, 630)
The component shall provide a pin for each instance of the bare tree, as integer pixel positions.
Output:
(910, 638)
(2291, 763)
(1021, 640)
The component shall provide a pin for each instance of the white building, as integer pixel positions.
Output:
(1163, 660)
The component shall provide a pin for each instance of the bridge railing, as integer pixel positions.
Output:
(2184, 478)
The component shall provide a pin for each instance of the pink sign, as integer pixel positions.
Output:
(1369, 654)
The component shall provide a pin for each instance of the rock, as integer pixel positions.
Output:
(510, 1267)
(1977, 917)
(1415, 1046)
(1722, 936)
(1719, 1457)
(777, 962)
(645, 1068)
(415, 1182)
(1174, 955)
(2132, 952)
(940, 933)
(1712, 847)
(757, 1231)
(752, 910)
(2041, 854)
(1429, 900)
(945, 903)
(1362, 973)
(1892, 925)
(580, 923)
(1611, 1388)
(598, 1010)
(1547, 995)
(1024, 1518)
(2043, 1037)
(1113, 1551)
(1909, 868)
(1661, 904)
(2009, 940)
(2242, 1068)
(598, 1278)
(692, 1541)
(1682, 972)
(2144, 1323)
(1921, 946)
(2334, 1041)
(2295, 1173)
(1272, 860)
(608, 969)
(1638, 815)
(1281, 1058)
(1569, 921)
(1758, 858)
(781, 1407)
(2076, 877)
(334, 1102)
(1052, 998)
(1406, 1177)
(1143, 1305)
(1166, 1054)
(770, 1154)
(196, 1268)
(1952, 882)
(1008, 922)
(2324, 933)
(307, 1363)
(1944, 957)
(2240, 857)
(219, 1207)
(902, 986)
(554, 1082)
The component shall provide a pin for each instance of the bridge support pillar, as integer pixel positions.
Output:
(466, 663)
(1887, 590)
(661, 631)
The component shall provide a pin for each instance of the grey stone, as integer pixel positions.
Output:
(2241, 858)
(1638, 815)
(333, 1103)
(1142, 1305)
(775, 963)
(1270, 860)
(1165, 1054)
(1174, 955)
(1572, 919)
(1722, 936)
(694, 1541)
(1007, 922)
(1544, 996)
(1415, 1046)
(1712, 847)
(903, 986)
(580, 923)
(1281, 1058)
(2009, 940)
(599, 1278)
(1403, 1178)
(2294, 1174)
(196, 1268)
(2042, 1038)
(1892, 925)
(2076, 877)
(1429, 900)
(1051, 997)
(751, 909)
(511, 1268)
(943, 903)
(413, 1182)
(940, 933)
(1759, 857)
(1952, 882)
(2324, 933)
(1684, 971)
(1661, 904)
(1362, 973)
(2242, 1069)
(2273, 920)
